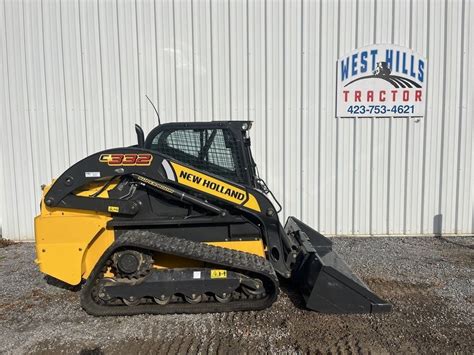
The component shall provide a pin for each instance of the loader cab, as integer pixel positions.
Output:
(221, 148)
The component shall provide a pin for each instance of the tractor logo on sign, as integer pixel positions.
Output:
(381, 81)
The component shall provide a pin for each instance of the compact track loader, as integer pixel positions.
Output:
(181, 223)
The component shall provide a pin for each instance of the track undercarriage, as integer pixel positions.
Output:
(229, 280)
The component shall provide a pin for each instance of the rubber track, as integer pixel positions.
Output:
(234, 260)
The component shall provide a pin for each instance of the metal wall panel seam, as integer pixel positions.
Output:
(21, 109)
(86, 135)
(469, 163)
(469, 210)
(101, 74)
(460, 118)
(247, 56)
(48, 122)
(266, 85)
(338, 53)
(443, 110)
(425, 124)
(371, 163)
(407, 149)
(212, 60)
(436, 133)
(2, 195)
(120, 71)
(138, 69)
(158, 102)
(66, 118)
(193, 59)
(15, 217)
(229, 40)
(319, 110)
(354, 129)
(389, 166)
(283, 109)
(28, 108)
(371, 139)
(421, 44)
(302, 197)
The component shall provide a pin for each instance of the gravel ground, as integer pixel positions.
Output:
(430, 281)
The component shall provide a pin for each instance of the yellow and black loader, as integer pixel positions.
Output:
(181, 223)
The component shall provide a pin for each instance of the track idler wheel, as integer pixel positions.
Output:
(252, 287)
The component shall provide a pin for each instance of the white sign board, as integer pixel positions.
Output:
(381, 80)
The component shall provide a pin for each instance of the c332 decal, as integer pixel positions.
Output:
(130, 159)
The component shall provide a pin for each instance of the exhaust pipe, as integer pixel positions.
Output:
(326, 282)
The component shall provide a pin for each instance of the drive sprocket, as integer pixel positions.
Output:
(131, 264)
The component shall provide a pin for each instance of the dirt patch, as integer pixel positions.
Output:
(458, 253)
(428, 281)
(6, 242)
(419, 323)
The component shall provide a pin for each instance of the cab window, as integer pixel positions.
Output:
(212, 150)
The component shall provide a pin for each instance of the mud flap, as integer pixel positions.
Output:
(325, 281)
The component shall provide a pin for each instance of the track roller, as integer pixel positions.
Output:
(193, 299)
(224, 298)
(131, 301)
(162, 300)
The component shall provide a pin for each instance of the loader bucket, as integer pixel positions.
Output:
(325, 281)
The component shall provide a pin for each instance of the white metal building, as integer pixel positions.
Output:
(74, 75)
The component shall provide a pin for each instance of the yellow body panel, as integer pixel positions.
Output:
(96, 249)
(252, 203)
(249, 246)
(70, 242)
(166, 261)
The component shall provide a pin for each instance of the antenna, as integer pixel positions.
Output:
(156, 111)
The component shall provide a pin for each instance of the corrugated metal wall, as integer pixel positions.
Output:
(75, 74)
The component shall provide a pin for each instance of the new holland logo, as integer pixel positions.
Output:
(381, 81)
